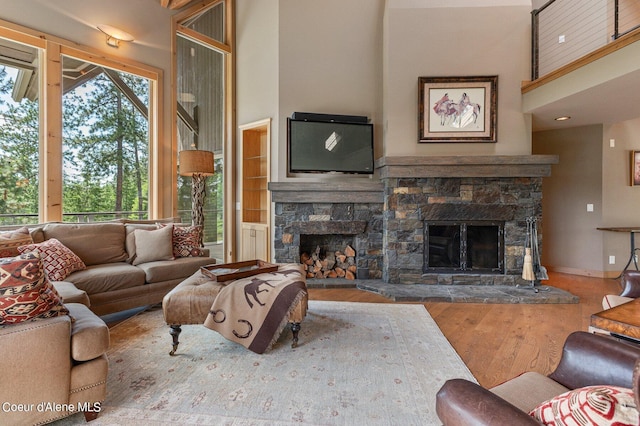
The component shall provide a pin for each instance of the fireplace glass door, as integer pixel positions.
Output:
(473, 247)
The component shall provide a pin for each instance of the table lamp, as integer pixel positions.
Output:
(197, 164)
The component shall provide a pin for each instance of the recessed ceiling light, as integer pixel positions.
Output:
(562, 118)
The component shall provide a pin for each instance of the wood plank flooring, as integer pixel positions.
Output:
(500, 341)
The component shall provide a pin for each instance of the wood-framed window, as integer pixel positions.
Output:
(44, 69)
(203, 72)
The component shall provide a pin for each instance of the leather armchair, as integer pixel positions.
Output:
(630, 281)
(587, 359)
(53, 368)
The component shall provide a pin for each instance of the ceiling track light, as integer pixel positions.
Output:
(115, 35)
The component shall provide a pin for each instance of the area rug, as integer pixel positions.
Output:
(356, 363)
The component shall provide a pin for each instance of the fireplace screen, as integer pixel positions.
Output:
(476, 247)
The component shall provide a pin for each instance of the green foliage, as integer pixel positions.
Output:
(105, 149)
(18, 152)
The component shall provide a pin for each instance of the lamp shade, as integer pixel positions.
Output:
(194, 161)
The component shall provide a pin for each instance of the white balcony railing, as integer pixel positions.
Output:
(566, 30)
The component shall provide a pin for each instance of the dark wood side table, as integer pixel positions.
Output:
(632, 243)
(622, 320)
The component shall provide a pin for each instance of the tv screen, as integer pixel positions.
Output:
(323, 146)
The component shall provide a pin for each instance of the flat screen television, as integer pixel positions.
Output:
(328, 146)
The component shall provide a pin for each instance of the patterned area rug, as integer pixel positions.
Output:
(357, 363)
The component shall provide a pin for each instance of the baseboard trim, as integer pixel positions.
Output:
(584, 272)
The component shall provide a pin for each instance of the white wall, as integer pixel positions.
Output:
(257, 60)
(330, 61)
(571, 242)
(425, 41)
(620, 200)
(364, 57)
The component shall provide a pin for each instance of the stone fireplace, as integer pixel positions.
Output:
(423, 220)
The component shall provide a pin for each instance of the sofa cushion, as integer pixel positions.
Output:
(107, 277)
(153, 245)
(167, 270)
(597, 405)
(11, 240)
(25, 292)
(94, 243)
(89, 333)
(528, 390)
(130, 238)
(58, 260)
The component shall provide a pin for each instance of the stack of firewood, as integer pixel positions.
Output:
(330, 265)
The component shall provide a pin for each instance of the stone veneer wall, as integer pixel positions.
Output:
(362, 220)
(413, 201)
(387, 215)
(354, 209)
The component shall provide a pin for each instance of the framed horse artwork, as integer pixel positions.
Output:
(457, 109)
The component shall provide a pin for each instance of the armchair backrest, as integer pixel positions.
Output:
(610, 361)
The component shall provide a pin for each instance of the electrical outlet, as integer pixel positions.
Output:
(561, 38)
(612, 260)
(612, 143)
(589, 207)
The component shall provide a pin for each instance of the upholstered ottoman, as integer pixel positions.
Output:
(191, 301)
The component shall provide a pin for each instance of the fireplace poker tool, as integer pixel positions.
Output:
(532, 270)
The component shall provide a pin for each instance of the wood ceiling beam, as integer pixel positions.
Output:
(174, 4)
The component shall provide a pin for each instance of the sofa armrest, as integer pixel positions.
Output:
(630, 281)
(36, 367)
(593, 359)
(460, 402)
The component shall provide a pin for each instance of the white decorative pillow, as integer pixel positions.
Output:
(59, 261)
(592, 405)
(153, 245)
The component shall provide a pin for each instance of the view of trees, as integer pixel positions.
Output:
(105, 156)
(105, 149)
(18, 151)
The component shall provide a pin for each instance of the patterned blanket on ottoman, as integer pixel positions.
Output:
(253, 311)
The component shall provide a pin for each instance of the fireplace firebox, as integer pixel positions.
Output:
(464, 247)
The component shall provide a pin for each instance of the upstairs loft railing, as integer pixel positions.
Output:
(566, 30)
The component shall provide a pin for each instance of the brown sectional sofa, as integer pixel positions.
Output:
(53, 367)
(112, 280)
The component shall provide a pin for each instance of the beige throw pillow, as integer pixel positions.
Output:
(153, 245)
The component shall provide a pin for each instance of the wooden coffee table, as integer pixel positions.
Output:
(622, 320)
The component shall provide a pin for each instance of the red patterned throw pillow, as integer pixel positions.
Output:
(11, 240)
(591, 405)
(25, 292)
(186, 240)
(59, 261)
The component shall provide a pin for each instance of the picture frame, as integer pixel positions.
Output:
(635, 168)
(457, 109)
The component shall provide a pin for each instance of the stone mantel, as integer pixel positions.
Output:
(466, 166)
(328, 191)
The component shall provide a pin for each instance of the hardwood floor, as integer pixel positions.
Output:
(500, 341)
